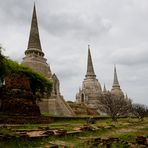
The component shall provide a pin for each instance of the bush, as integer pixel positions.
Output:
(38, 83)
(2, 64)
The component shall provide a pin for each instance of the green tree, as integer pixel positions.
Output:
(2, 63)
(38, 83)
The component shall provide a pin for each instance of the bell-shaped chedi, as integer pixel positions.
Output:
(34, 56)
(91, 88)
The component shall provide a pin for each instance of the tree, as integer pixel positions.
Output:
(38, 83)
(114, 106)
(2, 63)
(140, 110)
(21, 89)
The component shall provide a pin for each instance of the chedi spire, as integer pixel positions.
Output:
(90, 69)
(116, 87)
(34, 38)
(115, 81)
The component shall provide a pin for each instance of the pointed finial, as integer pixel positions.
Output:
(90, 69)
(34, 38)
(115, 81)
(104, 90)
(126, 96)
(79, 89)
(115, 76)
(34, 5)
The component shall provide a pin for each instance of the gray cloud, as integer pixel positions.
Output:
(75, 25)
(14, 11)
(130, 56)
(116, 29)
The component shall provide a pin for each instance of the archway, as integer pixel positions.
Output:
(82, 98)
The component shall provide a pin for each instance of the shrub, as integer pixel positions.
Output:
(40, 85)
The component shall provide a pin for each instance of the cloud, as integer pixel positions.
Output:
(130, 56)
(13, 11)
(116, 30)
(75, 25)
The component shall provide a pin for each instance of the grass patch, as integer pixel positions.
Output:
(124, 129)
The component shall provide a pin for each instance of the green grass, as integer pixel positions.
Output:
(18, 143)
(126, 129)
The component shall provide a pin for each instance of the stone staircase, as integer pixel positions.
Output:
(55, 105)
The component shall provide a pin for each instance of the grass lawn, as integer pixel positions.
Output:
(126, 129)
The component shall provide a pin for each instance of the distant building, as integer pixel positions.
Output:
(116, 90)
(90, 92)
(91, 88)
(34, 58)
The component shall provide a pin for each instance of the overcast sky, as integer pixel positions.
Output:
(117, 31)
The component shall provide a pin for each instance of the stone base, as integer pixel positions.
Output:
(82, 109)
(19, 106)
(55, 105)
(43, 105)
